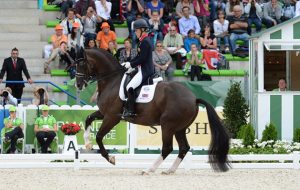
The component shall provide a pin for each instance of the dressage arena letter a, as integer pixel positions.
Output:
(71, 146)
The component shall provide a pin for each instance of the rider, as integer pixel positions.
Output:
(143, 62)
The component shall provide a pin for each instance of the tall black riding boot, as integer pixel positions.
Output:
(129, 111)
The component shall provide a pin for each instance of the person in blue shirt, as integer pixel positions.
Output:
(191, 39)
(188, 22)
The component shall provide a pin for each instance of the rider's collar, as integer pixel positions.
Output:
(143, 36)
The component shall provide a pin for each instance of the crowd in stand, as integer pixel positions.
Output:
(214, 25)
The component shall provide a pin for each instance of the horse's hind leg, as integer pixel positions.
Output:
(88, 122)
(107, 124)
(167, 148)
(183, 149)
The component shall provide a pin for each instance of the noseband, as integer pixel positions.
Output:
(82, 75)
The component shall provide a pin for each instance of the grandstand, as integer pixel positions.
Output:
(29, 29)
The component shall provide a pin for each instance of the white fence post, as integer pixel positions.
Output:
(76, 160)
(296, 159)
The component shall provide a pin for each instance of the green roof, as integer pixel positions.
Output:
(274, 28)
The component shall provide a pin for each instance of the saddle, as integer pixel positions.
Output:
(144, 93)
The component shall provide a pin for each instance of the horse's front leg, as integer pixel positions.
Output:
(92, 117)
(107, 124)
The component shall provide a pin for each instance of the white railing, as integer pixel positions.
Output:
(141, 161)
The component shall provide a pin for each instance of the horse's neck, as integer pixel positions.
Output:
(110, 83)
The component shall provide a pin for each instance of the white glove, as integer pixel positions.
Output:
(126, 65)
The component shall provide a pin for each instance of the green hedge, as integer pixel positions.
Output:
(59, 72)
(180, 73)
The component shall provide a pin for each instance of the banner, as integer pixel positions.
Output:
(198, 134)
(118, 136)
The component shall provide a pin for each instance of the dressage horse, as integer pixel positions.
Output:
(173, 107)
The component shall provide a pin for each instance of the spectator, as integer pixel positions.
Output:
(194, 58)
(230, 5)
(281, 85)
(238, 25)
(254, 12)
(128, 53)
(75, 40)
(172, 43)
(105, 36)
(272, 14)
(14, 66)
(56, 40)
(64, 6)
(202, 11)
(221, 31)
(45, 128)
(288, 9)
(162, 62)
(134, 8)
(156, 28)
(41, 96)
(81, 7)
(7, 98)
(112, 48)
(188, 22)
(14, 129)
(155, 5)
(297, 9)
(89, 23)
(181, 4)
(167, 27)
(191, 39)
(208, 40)
(67, 23)
(215, 6)
(91, 44)
(168, 10)
(103, 9)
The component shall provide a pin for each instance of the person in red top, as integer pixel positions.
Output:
(105, 36)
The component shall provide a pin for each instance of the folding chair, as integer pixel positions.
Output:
(6, 145)
(53, 146)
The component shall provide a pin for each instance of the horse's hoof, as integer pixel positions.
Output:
(89, 146)
(112, 160)
(167, 172)
(144, 172)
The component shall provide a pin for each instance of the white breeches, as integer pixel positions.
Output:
(135, 82)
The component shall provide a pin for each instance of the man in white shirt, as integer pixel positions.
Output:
(188, 22)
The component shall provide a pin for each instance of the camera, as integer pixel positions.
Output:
(41, 91)
(4, 94)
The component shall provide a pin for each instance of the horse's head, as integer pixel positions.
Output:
(82, 70)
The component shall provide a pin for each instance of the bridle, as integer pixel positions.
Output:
(101, 76)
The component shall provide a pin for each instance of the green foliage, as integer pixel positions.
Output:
(236, 110)
(270, 133)
(297, 135)
(247, 134)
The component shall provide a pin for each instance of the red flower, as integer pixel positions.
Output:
(70, 128)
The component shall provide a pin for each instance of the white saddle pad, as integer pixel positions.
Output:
(146, 94)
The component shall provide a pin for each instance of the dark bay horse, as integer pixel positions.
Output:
(173, 107)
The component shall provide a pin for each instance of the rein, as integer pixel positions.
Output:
(101, 76)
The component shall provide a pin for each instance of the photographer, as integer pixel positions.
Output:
(40, 96)
(7, 98)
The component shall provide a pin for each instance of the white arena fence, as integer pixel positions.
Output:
(142, 161)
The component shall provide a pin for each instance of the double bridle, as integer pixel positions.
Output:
(100, 77)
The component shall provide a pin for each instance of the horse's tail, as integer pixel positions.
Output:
(219, 144)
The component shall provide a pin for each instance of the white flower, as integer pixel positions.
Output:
(275, 150)
(249, 146)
